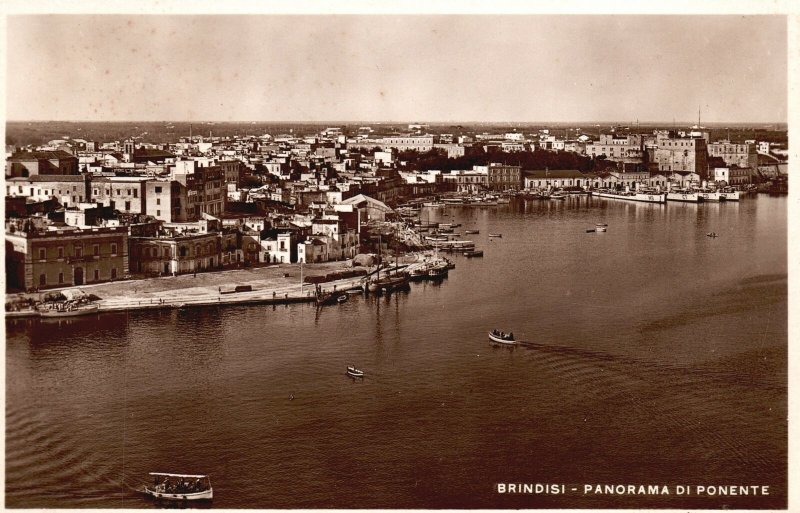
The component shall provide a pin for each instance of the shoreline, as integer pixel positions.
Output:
(272, 285)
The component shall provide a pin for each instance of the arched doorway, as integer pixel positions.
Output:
(78, 276)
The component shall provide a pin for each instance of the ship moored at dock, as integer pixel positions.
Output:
(687, 196)
(646, 197)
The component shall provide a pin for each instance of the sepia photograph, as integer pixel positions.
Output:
(422, 259)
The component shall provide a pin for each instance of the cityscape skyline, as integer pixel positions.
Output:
(312, 69)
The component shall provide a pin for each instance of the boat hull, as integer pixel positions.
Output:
(638, 196)
(205, 495)
(68, 313)
(688, 197)
(498, 340)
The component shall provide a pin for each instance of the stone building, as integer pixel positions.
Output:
(30, 163)
(39, 259)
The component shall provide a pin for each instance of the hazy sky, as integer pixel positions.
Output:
(390, 67)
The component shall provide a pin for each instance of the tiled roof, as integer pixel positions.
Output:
(36, 155)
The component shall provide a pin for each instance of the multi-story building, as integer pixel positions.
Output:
(686, 154)
(167, 200)
(280, 249)
(617, 148)
(30, 163)
(503, 177)
(69, 190)
(231, 171)
(39, 259)
(206, 191)
(453, 150)
(740, 155)
(124, 193)
(175, 254)
(468, 181)
(404, 143)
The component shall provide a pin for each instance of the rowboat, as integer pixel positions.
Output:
(498, 235)
(471, 232)
(502, 338)
(353, 372)
(180, 487)
(475, 253)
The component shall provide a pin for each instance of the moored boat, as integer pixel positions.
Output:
(646, 197)
(180, 487)
(471, 232)
(684, 195)
(496, 235)
(68, 310)
(473, 253)
(728, 194)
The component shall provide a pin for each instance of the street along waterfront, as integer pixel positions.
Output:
(649, 353)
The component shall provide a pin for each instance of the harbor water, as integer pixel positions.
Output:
(651, 354)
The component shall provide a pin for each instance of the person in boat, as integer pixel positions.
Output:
(511, 336)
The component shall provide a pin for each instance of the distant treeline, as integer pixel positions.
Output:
(22, 133)
(477, 156)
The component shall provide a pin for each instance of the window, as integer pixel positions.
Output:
(42, 280)
(60, 252)
(60, 278)
(135, 193)
(78, 251)
(113, 273)
(158, 190)
(113, 249)
(127, 205)
(97, 275)
(96, 249)
(119, 192)
(158, 201)
(41, 254)
(158, 213)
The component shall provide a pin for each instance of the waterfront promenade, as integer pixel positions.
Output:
(275, 284)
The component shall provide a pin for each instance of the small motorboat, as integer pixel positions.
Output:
(502, 338)
(601, 229)
(496, 235)
(471, 232)
(353, 372)
(712, 234)
(474, 253)
(590, 230)
(342, 298)
(180, 487)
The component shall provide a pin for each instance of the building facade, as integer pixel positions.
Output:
(502, 177)
(69, 190)
(739, 155)
(40, 259)
(681, 154)
(30, 163)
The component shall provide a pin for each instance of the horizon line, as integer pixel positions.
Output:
(601, 122)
